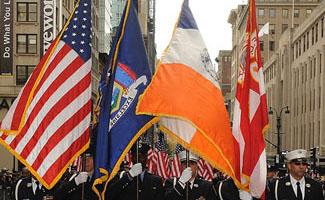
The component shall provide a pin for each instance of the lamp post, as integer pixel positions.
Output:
(278, 123)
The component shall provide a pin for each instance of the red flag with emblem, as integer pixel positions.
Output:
(250, 112)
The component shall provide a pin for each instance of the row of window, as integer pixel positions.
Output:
(311, 36)
(269, 73)
(285, 12)
(311, 97)
(271, 45)
(272, 28)
(313, 71)
(303, 143)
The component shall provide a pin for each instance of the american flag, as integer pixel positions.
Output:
(176, 167)
(128, 159)
(205, 170)
(77, 164)
(163, 159)
(152, 160)
(48, 124)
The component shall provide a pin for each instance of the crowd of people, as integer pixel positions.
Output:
(137, 182)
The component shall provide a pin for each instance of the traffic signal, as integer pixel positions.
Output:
(313, 152)
(313, 157)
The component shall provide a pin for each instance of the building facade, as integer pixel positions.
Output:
(280, 14)
(224, 74)
(294, 77)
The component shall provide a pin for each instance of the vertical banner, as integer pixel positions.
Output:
(6, 35)
(48, 22)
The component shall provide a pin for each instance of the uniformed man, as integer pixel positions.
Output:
(28, 188)
(125, 184)
(296, 186)
(79, 185)
(226, 190)
(176, 189)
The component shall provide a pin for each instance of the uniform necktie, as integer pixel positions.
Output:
(299, 194)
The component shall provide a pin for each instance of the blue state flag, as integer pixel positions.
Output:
(124, 78)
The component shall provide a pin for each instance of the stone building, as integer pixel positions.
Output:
(294, 77)
(224, 74)
(279, 15)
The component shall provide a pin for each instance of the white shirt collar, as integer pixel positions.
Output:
(302, 182)
(35, 184)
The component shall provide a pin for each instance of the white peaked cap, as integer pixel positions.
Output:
(296, 154)
(192, 157)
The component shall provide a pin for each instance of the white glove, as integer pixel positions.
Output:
(81, 178)
(243, 195)
(136, 170)
(186, 175)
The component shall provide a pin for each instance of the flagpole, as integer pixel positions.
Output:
(137, 162)
(83, 167)
(187, 164)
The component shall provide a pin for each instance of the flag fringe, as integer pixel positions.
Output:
(35, 174)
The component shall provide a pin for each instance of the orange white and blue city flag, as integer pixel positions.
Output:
(47, 127)
(186, 95)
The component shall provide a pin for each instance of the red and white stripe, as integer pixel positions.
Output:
(163, 165)
(176, 166)
(205, 170)
(152, 161)
(55, 126)
(77, 164)
(128, 159)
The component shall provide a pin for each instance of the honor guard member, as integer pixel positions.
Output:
(124, 185)
(296, 186)
(79, 185)
(28, 188)
(175, 189)
(226, 190)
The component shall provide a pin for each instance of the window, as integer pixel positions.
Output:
(272, 12)
(285, 13)
(262, 45)
(26, 43)
(22, 73)
(26, 12)
(271, 48)
(304, 43)
(284, 27)
(272, 29)
(299, 47)
(320, 63)
(312, 36)
(260, 26)
(261, 12)
(316, 32)
(307, 39)
(296, 13)
(308, 12)
(322, 28)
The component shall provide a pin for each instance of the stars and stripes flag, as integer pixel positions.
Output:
(205, 170)
(250, 112)
(48, 125)
(152, 160)
(162, 157)
(77, 164)
(128, 159)
(176, 167)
